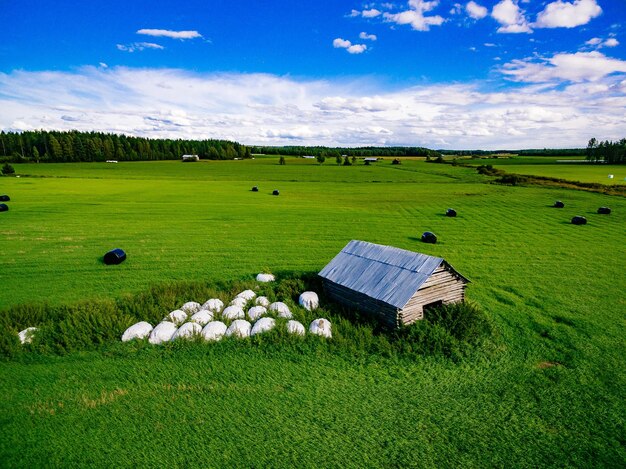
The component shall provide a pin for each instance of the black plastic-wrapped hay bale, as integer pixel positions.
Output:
(429, 237)
(114, 256)
(255, 189)
(275, 192)
(395, 161)
(450, 212)
(558, 204)
(578, 220)
(4, 198)
(4, 208)
(604, 211)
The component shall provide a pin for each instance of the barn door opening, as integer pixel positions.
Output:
(430, 306)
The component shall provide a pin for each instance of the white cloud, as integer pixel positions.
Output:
(594, 41)
(357, 48)
(341, 43)
(103, 65)
(561, 14)
(415, 15)
(170, 34)
(476, 11)
(510, 17)
(368, 37)
(269, 109)
(599, 43)
(372, 13)
(578, 67)
(489, 44)
(139, 46)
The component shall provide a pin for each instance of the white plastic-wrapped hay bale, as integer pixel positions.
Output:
(26, 336)
(191, 307)
(140, 331)
(295, 327)
(202, 317)
(239, 328)
(214, 304)
(309, 300)
(177, 316)
(281, 309)
(263, 325)
(240, 302)
(187, 331)
(246, 295)
(321, 327)
(214, 330)
(233, 312)
(264, 278)
(256, 312)
(262, 301)
(163, 332)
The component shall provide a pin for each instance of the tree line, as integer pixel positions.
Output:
(334, 152)
(63, 147)
(607, 151)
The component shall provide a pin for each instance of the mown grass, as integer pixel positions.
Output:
(549, 393)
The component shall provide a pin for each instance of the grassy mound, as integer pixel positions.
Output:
(451, 331)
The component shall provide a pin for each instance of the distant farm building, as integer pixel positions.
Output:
(394, 285)
(309, 157)
(187, 158)
(370, 160)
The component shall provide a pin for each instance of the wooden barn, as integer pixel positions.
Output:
(395, 285)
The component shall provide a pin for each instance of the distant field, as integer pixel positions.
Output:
(551, 395)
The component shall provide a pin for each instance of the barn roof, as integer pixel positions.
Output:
(385, 273)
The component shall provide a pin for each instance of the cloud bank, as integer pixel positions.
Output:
(276, 110)
(170, 34)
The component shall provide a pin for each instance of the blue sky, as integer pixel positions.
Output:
(444, 74)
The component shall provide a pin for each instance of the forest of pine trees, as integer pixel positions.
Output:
(61, 147)
(607, 151)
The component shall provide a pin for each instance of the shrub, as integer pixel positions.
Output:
(8, 169)
(512, 179)
(338, 159)
(321, 158)
(346, 162)
(281, 160)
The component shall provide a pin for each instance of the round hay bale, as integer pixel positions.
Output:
(264, 278)
(309, 300)
(262, 301)
(246, 295)
(282, 309)
(578, 220)
(604, 211)
(191, 307)
(233, 312)
(263, 325)
(275, 192)
(558, 204)
(450, 212)
(255, 188)
(239, 328)
(163, 332)
(4, 198)
(214, 304)
(189, 330)
(177, 316)
(321, 327)
(26, 336)
(256, 312)
(295, 327)
(395, 161)
(4, 208)
(202, 317)
(429, 237)
(140, 331)
(238, 301)
(114, 257)
(214, 330)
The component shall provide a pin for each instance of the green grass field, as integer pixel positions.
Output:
(551, 167)
(551, 393)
